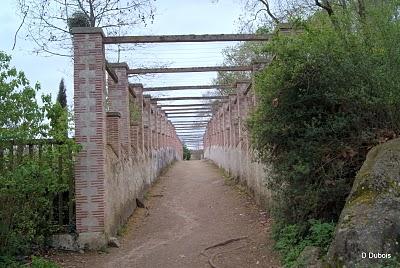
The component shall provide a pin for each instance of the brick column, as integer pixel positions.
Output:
(147, 123)
(90, 133)
(118, 96)
(138, 90)
(241, 86)
(113, 131)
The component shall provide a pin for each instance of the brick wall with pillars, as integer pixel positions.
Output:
(227, 140)
(118, 96)
(90, 132)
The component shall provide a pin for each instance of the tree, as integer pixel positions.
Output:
(186, 153)
(20, 116)
(47, 23)
(62, 96)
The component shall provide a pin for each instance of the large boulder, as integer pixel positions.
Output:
(368, 231)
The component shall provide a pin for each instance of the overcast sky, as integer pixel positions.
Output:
(172, 17)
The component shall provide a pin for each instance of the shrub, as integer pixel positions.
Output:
(331, 93)
(29, 181)
(293, 238)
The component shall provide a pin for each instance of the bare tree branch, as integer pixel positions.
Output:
(19, 28)
(268, 10)
(327, 6)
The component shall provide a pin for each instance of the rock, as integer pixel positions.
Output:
(139, 203)
(65, 242)
(370, 220)
(309, 257)
(113, 242)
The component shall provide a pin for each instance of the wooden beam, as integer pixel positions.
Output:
(193, 128)
(197, 122)
(191, 98)
(190, 69)
(186, 87)
(189, 112)
(111, 72)
(182, 116)
(202, 123)
(184, 105)
(187, 109)
(184, 38)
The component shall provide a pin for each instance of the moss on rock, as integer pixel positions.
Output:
(370, 220)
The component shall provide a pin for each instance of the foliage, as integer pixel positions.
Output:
(134, 113)
(29, 181)
(38, 262)
(78, 19)
(186, 153)
(293, 238)
(331, 94)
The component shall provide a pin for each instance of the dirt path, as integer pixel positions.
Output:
(191, 208)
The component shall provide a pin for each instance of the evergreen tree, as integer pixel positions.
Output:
(62, 95)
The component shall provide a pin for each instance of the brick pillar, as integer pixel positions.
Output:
(163, 129)
(147, 123)
(241, 87)
(90, 133)
(153, 127)
(232, 120)
(113, 131)
(118, 96)
(138, 90)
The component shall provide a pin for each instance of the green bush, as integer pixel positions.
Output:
(293, 238)
(331, 93)
(29, 181)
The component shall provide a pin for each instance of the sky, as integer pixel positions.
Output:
(172, 17)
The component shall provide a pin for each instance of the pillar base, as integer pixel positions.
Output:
(92, 240)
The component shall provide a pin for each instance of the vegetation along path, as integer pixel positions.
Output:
(195, 218)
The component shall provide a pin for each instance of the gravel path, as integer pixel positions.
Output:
(191, 207)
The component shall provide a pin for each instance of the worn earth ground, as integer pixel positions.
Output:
(191, 207)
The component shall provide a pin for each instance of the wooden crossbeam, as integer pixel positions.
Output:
(185, 105)
(197, 122)
(187, 109)
(111, 72)
(190, 69)
(184, 38)
(188, 123)
(190, 128)
(182, 116)
(186, 87)
(191, 98)
(189, 112)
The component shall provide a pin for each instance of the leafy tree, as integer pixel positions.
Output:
(48, 23)
(186, 153)
(21, 117)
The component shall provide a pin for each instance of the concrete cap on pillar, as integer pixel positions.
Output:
(87, 30)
